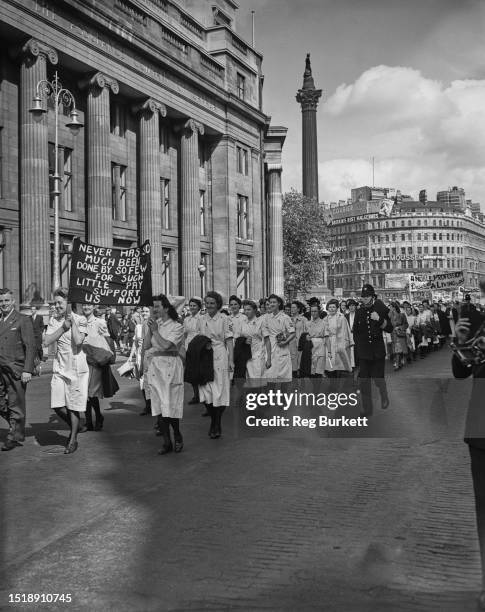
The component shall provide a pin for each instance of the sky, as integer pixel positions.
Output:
(403, 82)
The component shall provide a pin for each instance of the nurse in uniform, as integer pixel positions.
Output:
(216, 394)
(165, 372)
(278, 327)
(190, 331)
(252, 330)
(70, 371)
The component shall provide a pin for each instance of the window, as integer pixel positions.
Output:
(394, 237)
(203, 220)
(410, 237)
(118, 191)
(242, 216)
(419, 236)
(434, 236)
(403, 236)
(426, 236)
(242, 161)
(163, 137)
(165, 202)
(242, 282)
(166, 271)
(67, 181)
(426, 250)
(117, 119)
(241, 86)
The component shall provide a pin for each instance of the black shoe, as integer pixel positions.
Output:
(384, 403)
(179, 443)
(166, 448)
(10, 445)
(99, 423)
(84, 429)
(71, 448)
(194, 400)
(145, 412)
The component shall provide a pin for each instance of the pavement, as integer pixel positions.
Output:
(256, 523)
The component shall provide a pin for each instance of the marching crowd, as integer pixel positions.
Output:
(208, 346)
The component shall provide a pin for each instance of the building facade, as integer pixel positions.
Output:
(172, 149)
(415, 237)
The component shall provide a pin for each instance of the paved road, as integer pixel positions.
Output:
(298, 522)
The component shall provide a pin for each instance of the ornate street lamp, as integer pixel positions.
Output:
(60, 96)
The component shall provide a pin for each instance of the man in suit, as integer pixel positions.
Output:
(38, 323)
(17, 350)
(371, 319)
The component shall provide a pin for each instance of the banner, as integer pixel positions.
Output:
(102, 275)
(446, 280)
(385, 207)
(397, 281)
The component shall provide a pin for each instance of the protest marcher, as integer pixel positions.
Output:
(70, 371)
(300, 325)
(17, 350)
(216, 394)
(316, 332)
(114, 327)
(190, 331)
(135, 356)
(236, 316)
(162, 347)
(398, 334)
(350, 316)
(252, 330)
(338, 342)
(372, 318)
(278, 327)
(97, 332)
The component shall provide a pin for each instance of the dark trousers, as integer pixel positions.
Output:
(371, 369)
(15, 413)
(477, 457)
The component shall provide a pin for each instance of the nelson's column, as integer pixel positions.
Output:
(308, 97)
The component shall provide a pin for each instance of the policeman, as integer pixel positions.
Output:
(371, 319)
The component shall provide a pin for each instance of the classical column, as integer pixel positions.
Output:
(256, 274)
(308, 97)
(224, 219)
(100, 215)
(34, 177)
(190, 205)
(275, 255)
(150, 197)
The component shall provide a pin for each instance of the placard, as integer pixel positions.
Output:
(109, 276)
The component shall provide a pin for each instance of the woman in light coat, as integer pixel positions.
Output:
(338, 342)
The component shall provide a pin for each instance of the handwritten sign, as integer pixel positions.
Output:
(445, 280)
(102, 275)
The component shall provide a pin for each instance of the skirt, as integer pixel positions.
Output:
(70, 392)
(165, 379)
(218, 391)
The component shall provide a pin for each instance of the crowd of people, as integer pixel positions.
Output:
(209, 345)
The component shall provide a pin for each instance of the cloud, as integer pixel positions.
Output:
(423, 134)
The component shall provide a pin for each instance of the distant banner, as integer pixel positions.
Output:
(447, 280)
(385, 207)
(102, 275)
(397, 281)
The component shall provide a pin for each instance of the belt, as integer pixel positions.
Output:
(163, 354)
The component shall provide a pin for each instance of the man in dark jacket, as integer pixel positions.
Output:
(371, 319)
(475, 428)
(17, 347)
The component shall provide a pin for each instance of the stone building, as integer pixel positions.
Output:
(172, 148)
(414, 237)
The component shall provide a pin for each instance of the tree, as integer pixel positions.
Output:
(304, 240)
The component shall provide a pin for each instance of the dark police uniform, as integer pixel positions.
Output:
(17, 347)
(370, 349)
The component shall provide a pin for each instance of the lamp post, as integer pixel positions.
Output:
(202, 268)
(60, 96)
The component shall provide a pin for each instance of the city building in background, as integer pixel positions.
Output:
(172, 147)
(383, 247)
